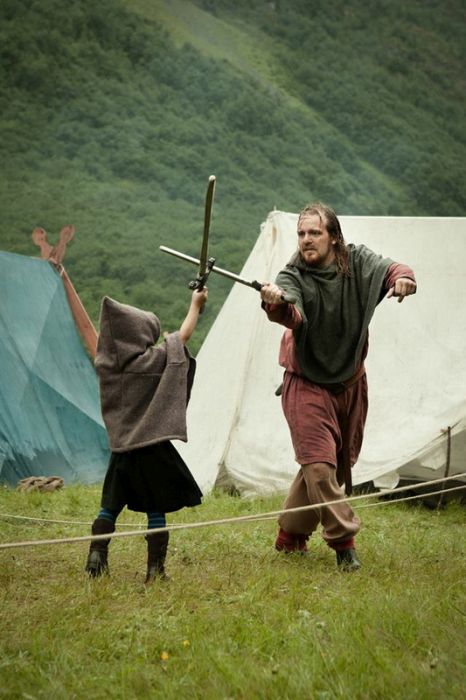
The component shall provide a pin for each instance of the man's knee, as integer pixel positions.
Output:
(319, 471)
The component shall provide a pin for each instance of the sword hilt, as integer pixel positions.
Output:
(285, 297)
(201, 280)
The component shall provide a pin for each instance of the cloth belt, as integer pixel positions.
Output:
(340, 387)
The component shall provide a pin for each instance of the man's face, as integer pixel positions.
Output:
(314, 241)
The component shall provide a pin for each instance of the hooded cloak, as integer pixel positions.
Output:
(336, 311)
(144, 388)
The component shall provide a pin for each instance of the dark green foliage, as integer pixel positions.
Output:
(110, 124)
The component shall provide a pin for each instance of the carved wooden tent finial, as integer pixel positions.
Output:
(53, 254)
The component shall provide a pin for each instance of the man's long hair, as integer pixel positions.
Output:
(328, 217)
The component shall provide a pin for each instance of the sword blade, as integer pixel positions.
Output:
(217, 270)
(209, 200)
(225, 273)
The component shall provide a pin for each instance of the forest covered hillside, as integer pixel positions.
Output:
(114, 114)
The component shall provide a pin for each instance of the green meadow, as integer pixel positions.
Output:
(236, 619)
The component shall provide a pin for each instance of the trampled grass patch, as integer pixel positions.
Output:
(236, 619)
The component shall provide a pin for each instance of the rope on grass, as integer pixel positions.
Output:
(222, 521)
(366, 505)
(62, 522)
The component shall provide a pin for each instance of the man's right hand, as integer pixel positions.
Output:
(272, 294)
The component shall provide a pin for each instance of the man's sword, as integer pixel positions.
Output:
(224, 273)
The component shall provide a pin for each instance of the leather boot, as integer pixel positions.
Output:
(156, 552)
(97, 559)
(347, 560)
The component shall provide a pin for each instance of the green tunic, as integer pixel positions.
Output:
(336, 311)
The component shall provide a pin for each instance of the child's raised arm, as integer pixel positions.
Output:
(198, 299)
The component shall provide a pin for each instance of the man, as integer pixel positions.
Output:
(324, 393)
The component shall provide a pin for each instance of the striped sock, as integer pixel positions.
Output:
(341, 546)
(106, 514)
(155, 520)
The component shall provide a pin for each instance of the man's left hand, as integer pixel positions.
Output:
(402, 288)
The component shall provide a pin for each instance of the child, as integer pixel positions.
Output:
(144, 391)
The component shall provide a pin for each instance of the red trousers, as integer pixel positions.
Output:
(315, 420)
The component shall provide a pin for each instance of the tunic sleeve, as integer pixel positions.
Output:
(285, 314)
(394, 272)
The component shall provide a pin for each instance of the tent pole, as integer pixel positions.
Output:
(81, 318)
(447, 465)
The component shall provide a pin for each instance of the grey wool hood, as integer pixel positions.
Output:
(144, 388)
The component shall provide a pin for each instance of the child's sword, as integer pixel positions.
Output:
(204, 264)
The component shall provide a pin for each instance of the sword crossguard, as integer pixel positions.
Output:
(201, 280)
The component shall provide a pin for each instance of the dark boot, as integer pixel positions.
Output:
(156, 552)
(347, 560)
(97, 559)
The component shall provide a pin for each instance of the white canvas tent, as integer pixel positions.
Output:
(238, 437)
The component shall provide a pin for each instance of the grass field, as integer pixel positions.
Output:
(237, 619)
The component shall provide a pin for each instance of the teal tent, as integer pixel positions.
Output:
(50, 420)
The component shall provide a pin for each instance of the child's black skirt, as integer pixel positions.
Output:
(150, 479)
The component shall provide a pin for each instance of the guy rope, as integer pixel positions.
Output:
(238, 519)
